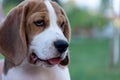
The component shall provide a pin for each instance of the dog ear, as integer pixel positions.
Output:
(67, 33)
(67, 30)
(13, 43)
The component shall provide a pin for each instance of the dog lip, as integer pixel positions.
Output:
(52, 61)
(34, 58)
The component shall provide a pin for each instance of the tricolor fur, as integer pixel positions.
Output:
(27, 41)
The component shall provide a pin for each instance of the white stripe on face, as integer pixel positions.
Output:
(43, 43)
(53, 19)
(52, 14)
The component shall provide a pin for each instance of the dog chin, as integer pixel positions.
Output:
(42, 64)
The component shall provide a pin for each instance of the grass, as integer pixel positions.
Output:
(1, 56)
(8, 8)
(90, 60)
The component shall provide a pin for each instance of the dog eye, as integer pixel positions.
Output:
(39, 23)
(62, 25)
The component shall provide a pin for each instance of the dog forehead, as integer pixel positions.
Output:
(39, 8)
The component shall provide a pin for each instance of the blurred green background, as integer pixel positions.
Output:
(91, 47)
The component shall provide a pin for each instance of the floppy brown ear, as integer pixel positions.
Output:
(67, 33)
(13, 43)
(67, 29)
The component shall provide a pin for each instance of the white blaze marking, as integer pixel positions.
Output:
(52, 14)
(53, 19)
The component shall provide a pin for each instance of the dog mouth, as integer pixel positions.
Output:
(52, 61)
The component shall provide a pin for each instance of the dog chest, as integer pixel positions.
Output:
(55, 73)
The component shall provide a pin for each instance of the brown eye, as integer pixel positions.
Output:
(39, 23)
(62, 25)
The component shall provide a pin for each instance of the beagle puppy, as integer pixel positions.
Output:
(34, 40)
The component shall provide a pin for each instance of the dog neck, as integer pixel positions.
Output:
(31, 72)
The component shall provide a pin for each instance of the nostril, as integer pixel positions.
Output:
(61, 45)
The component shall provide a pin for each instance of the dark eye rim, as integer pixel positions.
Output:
(62, 25)
(39, 23)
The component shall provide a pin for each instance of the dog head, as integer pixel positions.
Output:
(36, 30)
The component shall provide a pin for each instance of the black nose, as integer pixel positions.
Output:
(61, 45)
